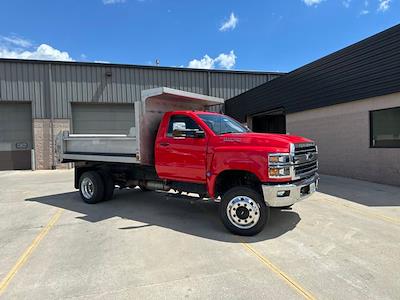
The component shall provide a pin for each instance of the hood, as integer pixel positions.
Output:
(264, 139)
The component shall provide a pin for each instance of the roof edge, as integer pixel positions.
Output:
(97, 64)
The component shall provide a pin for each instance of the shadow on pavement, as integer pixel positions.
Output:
(361, 192)
(198, 218)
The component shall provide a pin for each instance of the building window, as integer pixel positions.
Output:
(385, 128)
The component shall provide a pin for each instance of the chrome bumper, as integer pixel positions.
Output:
(281, 195)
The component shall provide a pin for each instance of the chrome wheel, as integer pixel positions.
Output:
(87, 188)
(243, 212)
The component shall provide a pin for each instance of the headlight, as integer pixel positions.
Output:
(276, 172)
(279, 158)
(279, 165)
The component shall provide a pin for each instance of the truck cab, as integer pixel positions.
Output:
(201, 152)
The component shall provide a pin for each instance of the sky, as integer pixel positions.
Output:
(264, 35)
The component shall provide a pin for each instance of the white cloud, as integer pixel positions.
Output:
(230, 24)
(312, 2)
(113, 1)
(26, 51)
(15, 41)
(384, 5)
(102, 61)
(364, 12)
(205, 63)
(224, 61)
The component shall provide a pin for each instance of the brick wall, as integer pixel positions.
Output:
(43, 144)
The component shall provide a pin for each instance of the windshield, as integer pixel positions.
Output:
(221, 124)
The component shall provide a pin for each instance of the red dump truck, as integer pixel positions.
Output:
(177, 145)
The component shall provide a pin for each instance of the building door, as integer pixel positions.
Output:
(15, 136)
(102, 118)
(274, 122)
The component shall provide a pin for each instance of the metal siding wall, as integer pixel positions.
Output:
(87, 83)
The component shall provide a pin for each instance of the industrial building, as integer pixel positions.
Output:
(348, 102)
(38, 99)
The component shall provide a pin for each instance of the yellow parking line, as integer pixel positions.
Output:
(28, 252)
(366, 213)
(275, 269)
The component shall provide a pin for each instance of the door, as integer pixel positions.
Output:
(102, 118)
(183, 157)
(15, 136)
(274, 123)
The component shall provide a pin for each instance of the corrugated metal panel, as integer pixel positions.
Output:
(88, 83)
(363, 70)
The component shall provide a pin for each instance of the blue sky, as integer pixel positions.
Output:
(236, 34)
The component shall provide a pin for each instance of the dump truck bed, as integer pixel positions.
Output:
(97, 147)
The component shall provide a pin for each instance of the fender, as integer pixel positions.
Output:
(245, 159)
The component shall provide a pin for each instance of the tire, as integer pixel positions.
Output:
(254, 213)
(109, 185)
(91, 187)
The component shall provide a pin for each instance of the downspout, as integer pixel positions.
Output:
(208, 83)
(53, 165)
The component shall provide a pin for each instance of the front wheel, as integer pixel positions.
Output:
(243, 211)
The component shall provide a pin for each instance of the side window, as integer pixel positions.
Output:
(181, 122)
(385, 128)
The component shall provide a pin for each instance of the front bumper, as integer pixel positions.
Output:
(290, 193)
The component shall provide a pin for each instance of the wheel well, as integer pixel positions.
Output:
(232, 178)
(80, 170)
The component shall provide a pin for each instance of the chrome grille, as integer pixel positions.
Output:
(305, 159)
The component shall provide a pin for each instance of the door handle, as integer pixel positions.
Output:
(164, 144)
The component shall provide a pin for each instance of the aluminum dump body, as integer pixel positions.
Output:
(97, 147)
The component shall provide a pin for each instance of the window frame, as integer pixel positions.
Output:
(371, 129)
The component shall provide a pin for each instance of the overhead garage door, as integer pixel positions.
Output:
(15, 136)
(103, 118)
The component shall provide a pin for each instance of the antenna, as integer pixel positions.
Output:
(157, 62)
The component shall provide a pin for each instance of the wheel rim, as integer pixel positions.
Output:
(87, 188)
(243, 212)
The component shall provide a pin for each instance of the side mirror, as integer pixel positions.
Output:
(179, 126)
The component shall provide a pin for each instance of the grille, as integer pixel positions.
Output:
(306, 159)
(304, 148)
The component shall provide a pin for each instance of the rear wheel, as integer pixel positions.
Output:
(243, 211)
(91, 187)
